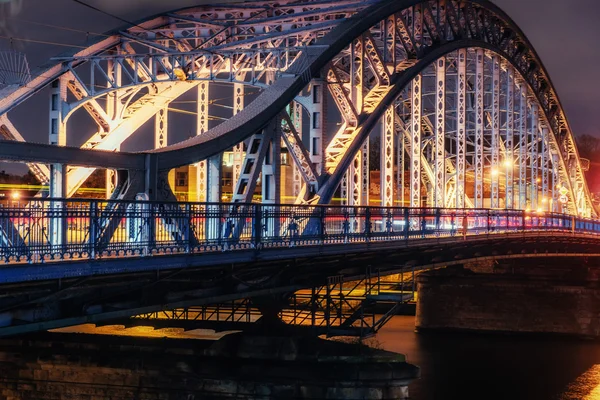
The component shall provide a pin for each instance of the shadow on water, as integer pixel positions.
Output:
(488, 366)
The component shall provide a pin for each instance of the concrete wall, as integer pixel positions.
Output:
(508, 303)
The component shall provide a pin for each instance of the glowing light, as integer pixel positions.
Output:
(539, 211)
(15, 195)
(494, 172)
(538, 180)
(180, 74)
(508, 163)
(544, 200)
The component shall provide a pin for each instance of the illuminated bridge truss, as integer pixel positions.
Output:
(339, 308)
(452, 93)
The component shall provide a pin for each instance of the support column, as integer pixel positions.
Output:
(386, 179)
(58, 221)
(495, 173)
(544, 170)
(270, 178)
(58, 172)
(238, 150)
(161, 128)
(113, 109)
(556, 205)
(57, 125)
(533, 160)
(317, 123)
(365, 172)
(461, 109)
(201, 127)
(400, 159)
(270, 170)
(296, 114)
(509, 161)
(213, 195)
(415, 134)
(355, 176)
(440, 134)
(522, 146)
(479, 127)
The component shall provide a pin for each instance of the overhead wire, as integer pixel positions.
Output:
(42, 42)
(64, 28)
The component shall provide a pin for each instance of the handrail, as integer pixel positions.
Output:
(44, 230)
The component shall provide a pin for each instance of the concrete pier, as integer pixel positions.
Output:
(526, 297)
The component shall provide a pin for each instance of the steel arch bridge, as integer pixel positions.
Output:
(466, 113)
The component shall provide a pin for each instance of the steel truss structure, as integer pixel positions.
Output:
(339, 308)
(468, 115)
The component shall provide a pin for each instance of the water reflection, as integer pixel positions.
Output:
(495, 367)
(466, 366)
(586, 387)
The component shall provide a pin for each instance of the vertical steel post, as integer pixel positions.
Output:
(509, 161)
(58, 172)
(296, 113)
(213, 195)
(479, 127)
(270, 180)
(387, 157)
(556, 205)
(415, 134)
(533, 156)
(461, 107)
(317, 121)
(365, 172)
(161, 128)
(440, 134)
(495, 173)
(201, 127)
(238, 149)
(522, 146)
(545, 169)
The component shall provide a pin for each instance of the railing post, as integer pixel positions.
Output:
(322, 216)
(523, 220)
(488, 221)
(257, 225)
(188, 233)
(406, 223)
(93, 237)
(368, 223)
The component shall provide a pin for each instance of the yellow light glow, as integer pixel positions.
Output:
(508, 163)
(544, 200)
(539, 211)
(539, 180)
(15, 195)
(494, 172)
(180, 74)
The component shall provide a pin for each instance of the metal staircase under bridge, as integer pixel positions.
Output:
(341, 307)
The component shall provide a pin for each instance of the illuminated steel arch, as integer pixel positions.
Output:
(464, 103)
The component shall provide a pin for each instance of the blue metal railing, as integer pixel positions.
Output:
(43, 230)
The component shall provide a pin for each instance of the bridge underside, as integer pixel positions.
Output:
(44, 297)
(417, 117)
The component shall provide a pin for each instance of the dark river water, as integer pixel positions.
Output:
(490, 367)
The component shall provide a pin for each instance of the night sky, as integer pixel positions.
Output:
(564, 33)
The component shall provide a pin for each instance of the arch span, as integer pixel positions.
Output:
(367, 60)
